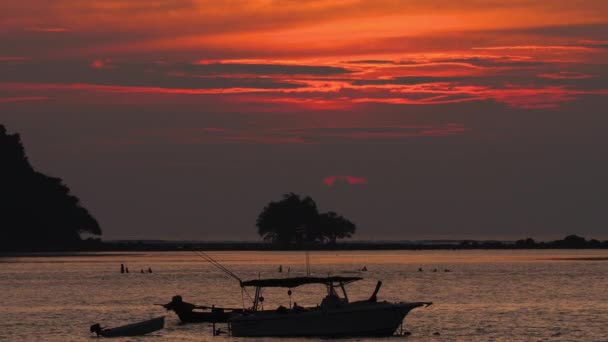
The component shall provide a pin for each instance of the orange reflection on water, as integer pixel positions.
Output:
(320, 257)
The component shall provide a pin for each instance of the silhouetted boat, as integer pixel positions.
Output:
(334, 317)
(190, 313)
(201, 317)
(135, 329)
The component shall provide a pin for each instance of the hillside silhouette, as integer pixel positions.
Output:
(37, 212)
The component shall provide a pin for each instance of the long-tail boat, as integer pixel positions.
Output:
(134, 329)
(191, 313)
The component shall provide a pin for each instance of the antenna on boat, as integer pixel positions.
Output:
(216, 263)
(307, 263)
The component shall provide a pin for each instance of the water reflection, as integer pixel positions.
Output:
(520, 295)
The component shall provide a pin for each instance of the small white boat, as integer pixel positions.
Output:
(334, 317)
(134, 329)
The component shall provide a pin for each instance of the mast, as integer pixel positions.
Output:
(256, 298)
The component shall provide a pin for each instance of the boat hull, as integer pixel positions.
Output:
(136, 329)
(203, 317)
(351, 320)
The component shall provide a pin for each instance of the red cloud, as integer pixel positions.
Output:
(23, 99)
(355, 180)
(214, 129)
(566, 75)
(48, 29)
(100, 63)
(331, 180)
(13, 58)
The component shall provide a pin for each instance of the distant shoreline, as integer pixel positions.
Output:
(131, 253)
(150, 246)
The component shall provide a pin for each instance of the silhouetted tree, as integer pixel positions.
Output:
(333, 226)
(287, 221)
(571, 241)
(527, 243)
(295, 220)
(36, 211)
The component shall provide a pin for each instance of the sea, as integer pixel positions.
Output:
(477, 295)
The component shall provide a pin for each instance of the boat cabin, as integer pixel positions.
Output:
(331, 283)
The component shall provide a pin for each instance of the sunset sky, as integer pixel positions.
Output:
(430, 119)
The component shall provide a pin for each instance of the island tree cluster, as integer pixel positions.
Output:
(36, 211)
(295, 220)
(569, 242)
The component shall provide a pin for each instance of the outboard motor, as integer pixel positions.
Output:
(96, 328)
(373, 297)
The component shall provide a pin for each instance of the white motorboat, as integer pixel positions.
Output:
(334, 317)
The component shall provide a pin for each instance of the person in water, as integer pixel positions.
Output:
(122, 268)
(149, 269)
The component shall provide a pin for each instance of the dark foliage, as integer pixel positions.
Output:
(569, 242)
(294, 221)
(37, 212)
(333, 226)
(155, 245)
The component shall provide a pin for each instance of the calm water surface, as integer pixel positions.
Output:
(488, 295)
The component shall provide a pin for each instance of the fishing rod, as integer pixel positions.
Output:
(224, 269)
(218, 265)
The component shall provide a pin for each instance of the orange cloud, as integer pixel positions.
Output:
(318, 28)
(320, 56)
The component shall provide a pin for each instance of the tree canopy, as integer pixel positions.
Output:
(296, 220)
(333, 226)
(36, 211)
